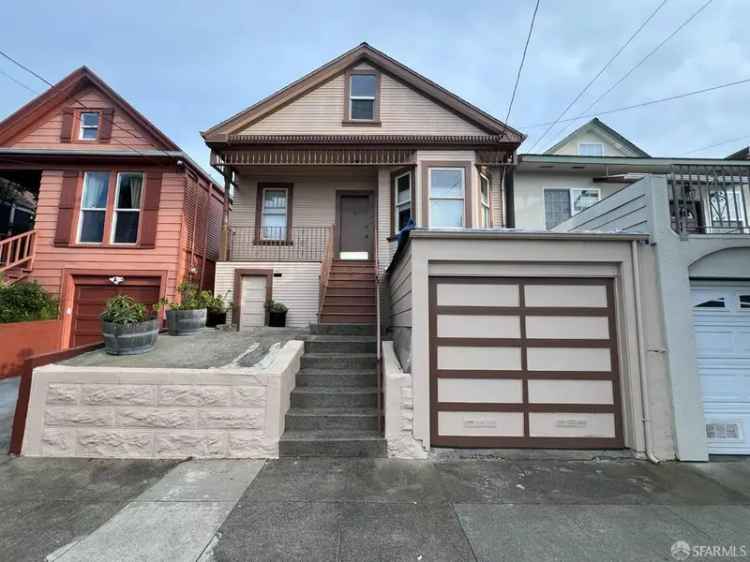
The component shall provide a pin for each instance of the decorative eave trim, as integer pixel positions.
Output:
(227, 141)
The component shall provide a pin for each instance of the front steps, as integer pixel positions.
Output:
(334, 407)
(350, 297)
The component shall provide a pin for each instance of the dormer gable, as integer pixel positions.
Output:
(595, 138)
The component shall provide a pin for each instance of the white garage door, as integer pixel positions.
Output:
(722, 333)
(253, 311)
(524, 362)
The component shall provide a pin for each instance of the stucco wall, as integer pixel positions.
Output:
(105, 412)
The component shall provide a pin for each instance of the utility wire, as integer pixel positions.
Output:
(644, 59)
(520, 66)
(79, 102)
(644, 104)
(722, 143)
(18, 82)
(601, 71)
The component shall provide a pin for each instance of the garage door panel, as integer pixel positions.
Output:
(476, 294)
(567, 327)
(548, 356)
(455, 358)
(480, 390)
(481, 424)
(569, 359)
(485, 326)
(566, 425)
(569, 295)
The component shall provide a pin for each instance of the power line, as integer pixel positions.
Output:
(605, 67)
(78, 101)
(648, 56)
(18, 82)
(523, 60)
(722, 143)
(643, 104)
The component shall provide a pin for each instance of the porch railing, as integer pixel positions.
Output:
(305, 243)
(325, 267)
(709, 199)
(17, 252)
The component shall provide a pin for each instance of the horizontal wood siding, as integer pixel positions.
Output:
(46, 132)
(624, 211)
(298, 287)
(402, 111)
(51, 260)
(400, 292)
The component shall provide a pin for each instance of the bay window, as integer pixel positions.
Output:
(446, 197)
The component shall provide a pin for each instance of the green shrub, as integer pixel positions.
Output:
(275, 306)
(24, 302)
(216, 304)
(191, 298)
(122, 309)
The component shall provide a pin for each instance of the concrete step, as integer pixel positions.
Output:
(341, 344)
(330, 397)
(339, 361)
(337, 378)
(332, 443)
(343, 329)
(353, 419)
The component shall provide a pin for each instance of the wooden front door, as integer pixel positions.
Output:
(91, 294)
(355, 220)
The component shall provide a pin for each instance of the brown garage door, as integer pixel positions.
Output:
(524, 362)
(92, 292)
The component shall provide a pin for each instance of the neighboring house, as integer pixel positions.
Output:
(120, 208)
(510, 338)
(17, 209)
(695, 212)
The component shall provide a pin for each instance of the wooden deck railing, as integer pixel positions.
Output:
(16, 252)
(269, 244)
(325, 266)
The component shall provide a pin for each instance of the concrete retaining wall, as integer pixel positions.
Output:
(399, 409)
(107, 412)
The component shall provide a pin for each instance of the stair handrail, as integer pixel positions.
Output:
(325, 267)
(379, 359)
(17, 250)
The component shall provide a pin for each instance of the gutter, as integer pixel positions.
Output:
(645, 403)
(513, 234)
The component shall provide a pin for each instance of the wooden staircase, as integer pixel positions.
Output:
(350, 296)
(17, 256)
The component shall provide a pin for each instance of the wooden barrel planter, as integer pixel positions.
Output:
(130, 339)
(185, 322)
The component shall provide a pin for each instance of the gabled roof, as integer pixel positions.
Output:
(69, 86)
(597, 124)
(743, 154)
(360, 53)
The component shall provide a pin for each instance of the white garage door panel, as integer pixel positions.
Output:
(474, 294)
(480, 390)
(722, 334)
(570, 392)
(571, 425)
(464, 358)
(569, 359)
(466, 326)
(479, 424)
(566, 295)
(567, 327)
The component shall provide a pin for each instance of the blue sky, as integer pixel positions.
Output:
(189, 65)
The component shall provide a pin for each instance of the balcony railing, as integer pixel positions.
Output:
(709, 199)
(268, 244)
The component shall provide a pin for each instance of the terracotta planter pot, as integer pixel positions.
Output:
(130, 339)
(185, 322)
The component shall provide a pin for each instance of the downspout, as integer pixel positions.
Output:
(645, 403)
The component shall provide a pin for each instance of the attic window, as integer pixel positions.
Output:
(89, 125)
(362, 93)
(591, 149)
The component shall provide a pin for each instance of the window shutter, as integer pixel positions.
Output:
(151, 210)
(105, 129)
(66, 132)
(66, 208)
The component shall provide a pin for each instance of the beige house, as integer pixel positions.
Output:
(505, 338)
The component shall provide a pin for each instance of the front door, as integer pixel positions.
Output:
(355, 225)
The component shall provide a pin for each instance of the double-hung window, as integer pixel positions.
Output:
(402, 203)
(561, 204)
(363, 91)
(274, 213)
(446, 197)
(591, 149)
(93, 207)
(484, 201)
(127, 208)
(89, 129)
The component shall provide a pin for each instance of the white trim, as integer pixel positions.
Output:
(573, 212)
(462, 198)
(482, 205)
(82, 127)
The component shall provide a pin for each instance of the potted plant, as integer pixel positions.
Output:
(127, 328)
(189, 315)
(217, 311)
(276, 314)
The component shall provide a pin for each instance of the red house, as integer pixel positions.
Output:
(120, 209)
